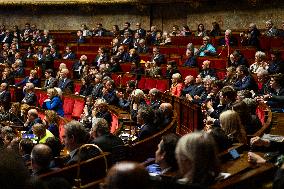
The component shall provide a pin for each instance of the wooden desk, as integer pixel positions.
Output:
(245, 174)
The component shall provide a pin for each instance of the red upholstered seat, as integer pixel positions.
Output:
(150, 83)
(218, 63)
(125, 67)
(221, 74)
(77, 87)
(141, 84)
(42, 97)
(277, 42)
(145, 57)
(68, 105)
(78, 108)
(185, 71)
(116, 78)
(125, 79)
(162, 84)
(30, 63)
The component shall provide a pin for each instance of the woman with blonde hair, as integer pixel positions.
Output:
(52, 122)
(53, 102)
(177, 85)
(259, 64)
(230, 122)
(196, 155)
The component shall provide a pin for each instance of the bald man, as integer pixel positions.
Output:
(41, 157)
(127, 175)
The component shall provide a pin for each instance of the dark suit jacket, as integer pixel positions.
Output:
(191, 62)
(69, 56)
(141, 32)
(107, 142)
(211, 72)
(81, 40)
(51, 83)
(146, 131)
(187, 90)
(47, 62)
(246, 83)
(101, 32)
(142, 50)
(97, 91)
(19, 72)
(5, 99)
(66, 86)
(159, 59)
(127, 41)
(232, 40)
(35, 81)
(86, 153)
(30, 99)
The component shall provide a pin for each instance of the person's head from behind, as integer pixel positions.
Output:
(51, 117)
(165, 154)
(145, 115)
(41, 156)
(99, 128)
(55, 145)
(227, 95)
(230, 122)
(74, 135)
(154, 94)
(196, 154)
(39, 130)
(127, 175)
(32, 115)
(167, 109)
(29, 87)
(25, 146)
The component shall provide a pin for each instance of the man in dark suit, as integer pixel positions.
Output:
(145, 119)
(127, 40)
(245, 81)
(47, 60)
(100, 131)
(97, 89)
(81, 38)
(157, 57)
(41, 157)
(206, 70)
(65, 84)
(236, 59)
(228, 40)
(7, 37)
(68, 55)
(99, 31)
(5, 96)
(32, 118)
(142, 48)
(139, 30)
(50, 81)
(74, 136)
(126, 28)
(30, 97)
(188, 86)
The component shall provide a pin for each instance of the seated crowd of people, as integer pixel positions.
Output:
(228, 105)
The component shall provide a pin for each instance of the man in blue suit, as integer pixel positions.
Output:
(65, 84)
(245, 81)
(145, 118)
